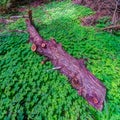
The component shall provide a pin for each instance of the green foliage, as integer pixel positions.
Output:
(3, 2)
(28, 91)
(103, 22)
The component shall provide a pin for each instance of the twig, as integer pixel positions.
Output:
(11, 19)
(55, 68)
(115, 27)
(5, 21)
(17, 17)
(114, 14)
(19, 31)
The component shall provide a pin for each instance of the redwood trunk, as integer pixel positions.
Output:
(80, 78)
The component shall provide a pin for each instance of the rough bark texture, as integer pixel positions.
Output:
(80, 78)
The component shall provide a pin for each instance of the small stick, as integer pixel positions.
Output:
(114, 14)
(55, 68)
(17, 17)
(117, 27)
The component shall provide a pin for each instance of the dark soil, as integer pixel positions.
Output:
(102, 8)
(21, 6)
(34, 4)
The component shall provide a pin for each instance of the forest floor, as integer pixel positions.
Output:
(107, 8)
(30, 90)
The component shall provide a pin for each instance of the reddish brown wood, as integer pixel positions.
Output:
(80, 78)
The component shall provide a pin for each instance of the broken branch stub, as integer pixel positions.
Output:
(79, 76)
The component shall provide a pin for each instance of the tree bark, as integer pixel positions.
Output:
(80, 78)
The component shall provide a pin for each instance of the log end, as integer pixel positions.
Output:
(96, 101)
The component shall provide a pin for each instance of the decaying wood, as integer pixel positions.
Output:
(79, 76)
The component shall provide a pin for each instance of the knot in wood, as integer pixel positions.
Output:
(75, 83)
(43, 45)
(95, 100)
(33, 47)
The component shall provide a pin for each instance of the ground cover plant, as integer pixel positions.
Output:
(30, 90)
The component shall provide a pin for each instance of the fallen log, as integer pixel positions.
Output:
(79, 76)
